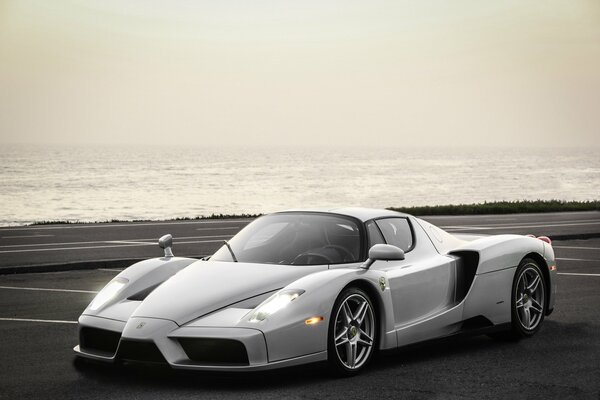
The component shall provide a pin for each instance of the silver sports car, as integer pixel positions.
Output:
(303, 286)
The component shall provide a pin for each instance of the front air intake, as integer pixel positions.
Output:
(98, 341)
(140, 351)
(209, 351)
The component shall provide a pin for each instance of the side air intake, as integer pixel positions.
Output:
(466, 267)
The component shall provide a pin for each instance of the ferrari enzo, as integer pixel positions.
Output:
(304, 286)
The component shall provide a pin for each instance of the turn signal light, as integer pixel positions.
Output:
(314, 320)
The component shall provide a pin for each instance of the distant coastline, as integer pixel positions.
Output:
(494, 207)
(120, 183)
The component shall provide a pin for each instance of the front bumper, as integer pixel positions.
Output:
(151, 340)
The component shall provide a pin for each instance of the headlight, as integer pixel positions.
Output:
(274, 303)
(108, 292)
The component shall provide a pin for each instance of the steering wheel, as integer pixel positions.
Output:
(344, 252)
(306, 257)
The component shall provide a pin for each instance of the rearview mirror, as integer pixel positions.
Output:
(166, 242)
(383, 252)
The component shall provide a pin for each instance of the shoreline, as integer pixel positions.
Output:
(491, 208)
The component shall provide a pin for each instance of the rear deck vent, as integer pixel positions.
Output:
(210, 351)
(98, 341)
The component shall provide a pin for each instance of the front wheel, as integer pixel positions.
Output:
(352, 332)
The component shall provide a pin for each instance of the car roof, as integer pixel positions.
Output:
(363, 214)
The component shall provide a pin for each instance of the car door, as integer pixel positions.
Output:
(422, 285)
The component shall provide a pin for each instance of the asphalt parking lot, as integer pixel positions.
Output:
(38, 312)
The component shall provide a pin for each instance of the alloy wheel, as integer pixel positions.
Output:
(354, 332)
(529, 297)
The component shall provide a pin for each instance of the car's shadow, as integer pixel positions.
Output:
(388, 362)
(164, 376)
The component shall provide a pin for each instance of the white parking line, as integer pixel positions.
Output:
(129, 242)
(566, 222)
(110, 270)
(48, 290)
(143, 241)
(576, 259)
(576, 274)
(106, 247)
(53, 321)
(25, 236)
(513, 226)
(219, 228)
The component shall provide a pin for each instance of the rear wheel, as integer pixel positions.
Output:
(352, 332)
(528, 301)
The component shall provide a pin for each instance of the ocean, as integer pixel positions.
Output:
(97, 183)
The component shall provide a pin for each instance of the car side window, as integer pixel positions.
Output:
(397, 232)
(374, 234)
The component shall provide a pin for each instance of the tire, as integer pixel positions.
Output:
(528, 301)
(353, 332)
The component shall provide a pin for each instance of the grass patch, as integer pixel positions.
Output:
(109, 221)
(503, 207)
(494, 207)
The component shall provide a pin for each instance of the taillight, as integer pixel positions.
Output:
(542, 238)
(545, 239)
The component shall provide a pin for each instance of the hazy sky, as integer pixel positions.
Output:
(415, 73)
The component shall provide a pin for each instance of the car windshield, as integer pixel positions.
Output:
(295, 239)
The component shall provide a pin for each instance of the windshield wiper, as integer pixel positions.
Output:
(230, 250)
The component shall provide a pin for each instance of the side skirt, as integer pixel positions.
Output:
(471, 327)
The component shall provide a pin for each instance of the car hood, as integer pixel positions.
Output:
(206, 286)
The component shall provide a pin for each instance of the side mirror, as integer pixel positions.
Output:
(383, 252)
(166, 242)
